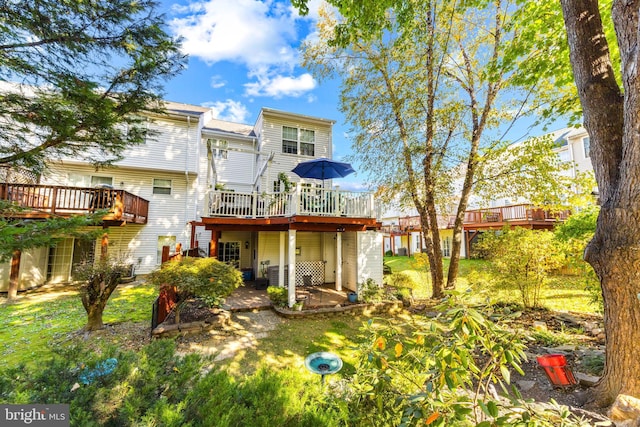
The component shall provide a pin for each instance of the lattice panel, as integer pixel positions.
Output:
(315, 269)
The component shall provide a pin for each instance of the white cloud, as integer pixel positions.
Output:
(217, 81)
(251, 32)
(229, 110)
(279, 86)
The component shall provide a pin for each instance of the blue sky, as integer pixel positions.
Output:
(243, 55)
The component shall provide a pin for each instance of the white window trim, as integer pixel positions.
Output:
(154, 186)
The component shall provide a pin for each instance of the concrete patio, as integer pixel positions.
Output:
(251, 297)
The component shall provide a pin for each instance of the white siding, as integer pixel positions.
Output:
(349, 261)
(173, 148)
(33, 270)
(271, 142)
(369, 256)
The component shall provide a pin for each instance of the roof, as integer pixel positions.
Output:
(239, 129)
(274, 112)
(184, 109)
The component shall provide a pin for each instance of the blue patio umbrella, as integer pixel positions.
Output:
(323, 168)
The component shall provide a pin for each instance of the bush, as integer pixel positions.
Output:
(278, 296)
(201, 277)
(370, 291)
(388, 253)
(523, 259)
(441, 373)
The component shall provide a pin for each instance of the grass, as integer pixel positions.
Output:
(37, 320)
(564, 292)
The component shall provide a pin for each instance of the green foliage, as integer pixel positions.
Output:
(91, 67)
(441, 372)
(388, 253)
(523, 259)
(370, 291)
(202, 277)
(155, 386)
(24, 234)
(400, 280)
(574, 235)
(278, 295)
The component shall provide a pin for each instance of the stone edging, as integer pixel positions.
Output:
(359, 309)
(162, 331)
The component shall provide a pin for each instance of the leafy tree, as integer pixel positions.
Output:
(524, 259)
(99, 280)
(438, 78)
(83, 72)
(611, 110)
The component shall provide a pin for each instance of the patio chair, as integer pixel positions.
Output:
(310, 288)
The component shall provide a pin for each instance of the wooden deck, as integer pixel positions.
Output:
(516, 215)
(41, 201)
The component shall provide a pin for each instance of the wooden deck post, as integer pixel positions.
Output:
(14, 275)
(104, 246)
(213, 244)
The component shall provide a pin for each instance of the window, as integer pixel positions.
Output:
(564, 156)
(277, 186)
(586, 142)
(165, 241)
(219, 148)
(291, 137)
(101, 181)
(161, 186)
(289, 140)
(307, 142)
(446, 247)
(229, 252)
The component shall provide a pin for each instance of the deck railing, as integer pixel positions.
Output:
(512, 213)
(301, 201)
(65, 201)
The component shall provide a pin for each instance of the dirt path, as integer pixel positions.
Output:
(244, 331)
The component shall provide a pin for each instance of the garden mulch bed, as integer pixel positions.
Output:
(194, 310)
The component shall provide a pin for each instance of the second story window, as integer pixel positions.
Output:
(219, 148)
(101, 181)
(586, 142)
(161, 186)
(298, 141)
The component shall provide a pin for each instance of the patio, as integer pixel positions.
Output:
(247, 297)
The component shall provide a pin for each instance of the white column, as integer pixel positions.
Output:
(338, 261)
(292, 267)
(281, 261)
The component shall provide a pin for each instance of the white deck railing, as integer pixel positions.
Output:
(301, 201)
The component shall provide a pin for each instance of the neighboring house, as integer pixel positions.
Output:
(213, 187)
(401, 230)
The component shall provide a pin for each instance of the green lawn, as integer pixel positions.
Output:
(564, 293)
(30, 326)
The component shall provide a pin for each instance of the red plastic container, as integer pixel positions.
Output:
(555, 366)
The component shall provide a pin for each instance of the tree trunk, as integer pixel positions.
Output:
(612, 120)
(94, 318)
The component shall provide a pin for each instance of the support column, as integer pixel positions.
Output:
(281, 261)
(338, 261)
(14, 275)
(292, 267)
(104, 246)
(213, 244)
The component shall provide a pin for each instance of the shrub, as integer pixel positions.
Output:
(201, 277)
(523, 259)
(278, 296)
(574, 235)
(388, 253)
(370, 291)
(441, 373)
